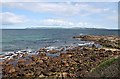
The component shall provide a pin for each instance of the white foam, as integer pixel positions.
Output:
(84, 44)
(7, 53)
(81, 44)
(51, 48)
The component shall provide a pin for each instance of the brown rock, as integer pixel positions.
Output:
(12, 70)
(42, 54)
(1, 63)
(64, 74)
(1, 56)
(41, 76)
(29, 74)
(40, 61)
(21, 61)
(9, 69)
(66, 64)
(53, 51)
(69, 55)
(34, 58)
(25, 55)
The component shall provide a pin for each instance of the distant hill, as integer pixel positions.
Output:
(68, 28)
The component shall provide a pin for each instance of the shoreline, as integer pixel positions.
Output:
(75, 62)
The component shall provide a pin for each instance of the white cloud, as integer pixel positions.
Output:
(60, 8)
(22, 0)
(56, 22)
(60, 1)
(8, 18)
(74, 11)
(65, 23)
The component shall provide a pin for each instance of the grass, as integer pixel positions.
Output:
(106, 63)
(109, 62)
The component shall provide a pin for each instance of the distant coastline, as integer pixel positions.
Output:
(68, 28)
(59, 28)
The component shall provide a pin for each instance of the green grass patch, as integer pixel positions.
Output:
(106, 63)
(109, 62)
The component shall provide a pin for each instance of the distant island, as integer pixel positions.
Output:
(68, 28)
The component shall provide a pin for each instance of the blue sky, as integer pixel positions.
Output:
(59, 14)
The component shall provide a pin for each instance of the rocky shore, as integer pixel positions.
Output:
(73, 62)
(106, 41)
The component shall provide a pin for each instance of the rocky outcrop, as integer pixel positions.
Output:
(106, 41)
(71, 63)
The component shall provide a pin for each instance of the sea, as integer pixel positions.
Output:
(18, 39)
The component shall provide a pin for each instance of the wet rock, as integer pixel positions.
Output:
(29, 74)
(1, 63)
(85, 49)
(53, 51)
(9, 69)
(41, 54)
(2, 56)
(21, 61)
(39, 61)
(32, 63)
(25, 55)
(34, 58)
(15, 57)
(8, 61)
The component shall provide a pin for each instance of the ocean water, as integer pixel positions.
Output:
(17, 39)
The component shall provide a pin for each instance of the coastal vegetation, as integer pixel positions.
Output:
(107, 68)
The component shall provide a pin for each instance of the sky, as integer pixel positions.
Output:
(65, 14)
